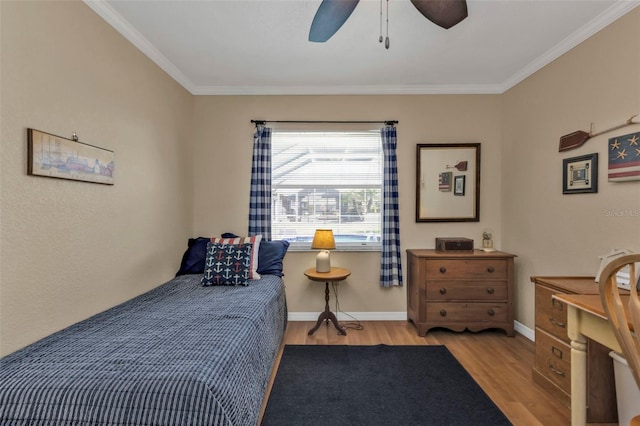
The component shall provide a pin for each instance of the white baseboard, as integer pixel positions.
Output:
(362, 316)
(390, 316)
(524, 330)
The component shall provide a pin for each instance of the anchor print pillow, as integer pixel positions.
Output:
(227, 264)
(255, 240)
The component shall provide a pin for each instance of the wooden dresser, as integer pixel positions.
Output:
(458, 291)
(552, 367)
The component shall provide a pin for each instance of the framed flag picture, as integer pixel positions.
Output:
(624, 158)
(444, 181)
(580, 174)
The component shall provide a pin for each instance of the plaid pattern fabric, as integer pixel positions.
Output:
(260, 196)
(179, 355)
(391, 267)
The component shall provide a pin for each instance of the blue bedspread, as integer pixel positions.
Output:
(181, 354)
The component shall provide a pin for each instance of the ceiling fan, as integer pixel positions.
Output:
(332, 14)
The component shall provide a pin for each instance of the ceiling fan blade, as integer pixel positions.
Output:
(444, 13)
(329, 18)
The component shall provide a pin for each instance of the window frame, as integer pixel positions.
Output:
(372, 241)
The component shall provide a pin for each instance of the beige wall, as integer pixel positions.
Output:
(556, 234)
(521, 180)
(71, 249)
(222, 165)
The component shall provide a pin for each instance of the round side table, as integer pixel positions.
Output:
(335, 275)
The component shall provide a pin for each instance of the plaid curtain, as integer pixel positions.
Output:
(391, 267)
(260, 196)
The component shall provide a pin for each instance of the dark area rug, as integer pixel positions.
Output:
(376, 385)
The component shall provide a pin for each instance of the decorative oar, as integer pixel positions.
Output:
(579, 137)
(461, 166)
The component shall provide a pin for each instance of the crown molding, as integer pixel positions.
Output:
(112, 17)
(606, 18)
(350, 90)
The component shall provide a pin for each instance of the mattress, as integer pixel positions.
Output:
(181, 354)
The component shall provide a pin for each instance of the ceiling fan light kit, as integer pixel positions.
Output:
(332, 14)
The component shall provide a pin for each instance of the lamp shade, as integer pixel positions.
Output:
(323, 240)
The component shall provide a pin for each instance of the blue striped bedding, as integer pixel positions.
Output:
(181, 354)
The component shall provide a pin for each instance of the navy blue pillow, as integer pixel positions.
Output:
(270, 256)
(193, 259)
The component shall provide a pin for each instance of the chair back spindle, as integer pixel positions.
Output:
(619, 317)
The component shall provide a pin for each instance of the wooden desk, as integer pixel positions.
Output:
(585, 319)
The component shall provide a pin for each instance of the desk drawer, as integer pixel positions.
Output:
(551, 314)
(553, 360)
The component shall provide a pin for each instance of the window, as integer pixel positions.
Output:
(330, 180)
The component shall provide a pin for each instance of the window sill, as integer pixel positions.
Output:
(339, 249)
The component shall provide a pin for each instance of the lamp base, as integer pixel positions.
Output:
(323, 262)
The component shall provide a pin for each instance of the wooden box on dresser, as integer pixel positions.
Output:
(552, 367)
(460, 290)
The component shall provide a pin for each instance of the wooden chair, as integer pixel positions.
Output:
(619, 317)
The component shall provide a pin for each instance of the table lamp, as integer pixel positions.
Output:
(323, 240)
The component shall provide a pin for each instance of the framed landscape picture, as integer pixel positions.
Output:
(57, 157)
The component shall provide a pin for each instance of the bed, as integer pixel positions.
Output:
(180, 354)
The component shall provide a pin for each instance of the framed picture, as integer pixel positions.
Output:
(57, 157)
(458, 185)
(623, 158)
(444, 181)
(580, 174)
(437, 162)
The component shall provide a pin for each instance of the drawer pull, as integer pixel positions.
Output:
(490, 290)
(443, 290)
(559, 324)
(557, 304)
(557, 352)
(555, 370)
(443, 313)
(491, 312)
(443, 269)
(490, 269)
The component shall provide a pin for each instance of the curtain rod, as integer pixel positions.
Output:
(387, 122)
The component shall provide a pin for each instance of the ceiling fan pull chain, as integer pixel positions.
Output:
(386, 40)
(380, 39)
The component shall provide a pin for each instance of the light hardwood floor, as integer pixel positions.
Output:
(501, 365)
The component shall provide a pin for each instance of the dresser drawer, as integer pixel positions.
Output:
(466, 290)
(553, 360)
(487, 269)
(471, 313)
(551, 314)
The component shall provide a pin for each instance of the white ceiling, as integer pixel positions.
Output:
(261, 47)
